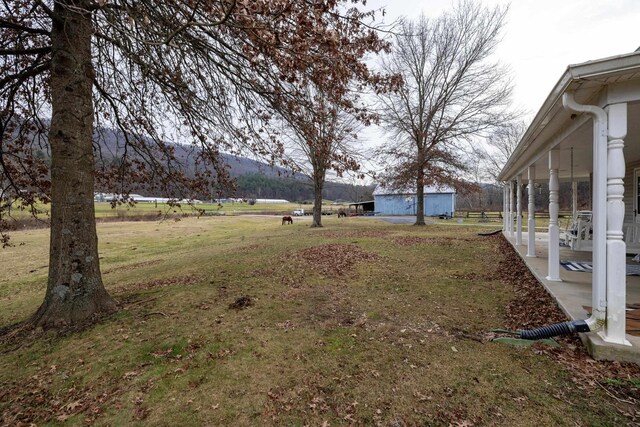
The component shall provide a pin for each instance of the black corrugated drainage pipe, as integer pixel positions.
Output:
(589, 325)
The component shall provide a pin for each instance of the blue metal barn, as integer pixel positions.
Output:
(437, 201)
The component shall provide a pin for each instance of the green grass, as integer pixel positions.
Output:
(541, 224)
(161, 211)
(105, 209)
(635, 382)
(382, 344)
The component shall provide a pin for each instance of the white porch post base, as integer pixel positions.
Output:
(614, 331)
(554, 230)
(554, 254)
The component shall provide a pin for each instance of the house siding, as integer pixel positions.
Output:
(629, 192)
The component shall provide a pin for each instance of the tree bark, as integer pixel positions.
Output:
(75, 292)
(420, 198)
(318, 185)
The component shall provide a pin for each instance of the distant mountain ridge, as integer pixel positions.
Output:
(111, 142)
(254, 179)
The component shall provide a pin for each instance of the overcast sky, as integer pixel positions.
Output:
(542, 37)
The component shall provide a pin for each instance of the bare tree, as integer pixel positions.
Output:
(202, 72)
(452, 92)
(493, 155)
(322, 138)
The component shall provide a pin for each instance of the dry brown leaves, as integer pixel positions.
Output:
(334, 260)
(533, 307)
(39, 403)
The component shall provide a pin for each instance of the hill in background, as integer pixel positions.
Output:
(254, 179)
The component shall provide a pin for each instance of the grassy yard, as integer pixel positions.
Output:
(241, 321)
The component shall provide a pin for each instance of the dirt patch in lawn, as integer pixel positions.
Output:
(158, 283)
(350, 234)
(533, 307)
(334, 260)
(432, 240)
(134, 266)
(415, 240)
(249, 248)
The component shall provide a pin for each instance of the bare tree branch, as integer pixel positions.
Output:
(452, 94)
(167, 87)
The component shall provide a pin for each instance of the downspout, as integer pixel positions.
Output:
(599, 287)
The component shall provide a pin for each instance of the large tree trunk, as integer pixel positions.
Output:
(318, 185)
(75, 293)
(420, 198)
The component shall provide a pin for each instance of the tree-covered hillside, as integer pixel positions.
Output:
(258, 185)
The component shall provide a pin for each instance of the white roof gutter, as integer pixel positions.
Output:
(600, 127)
(606, 67)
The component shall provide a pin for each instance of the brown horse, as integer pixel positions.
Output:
(342, 213)
(287, 220)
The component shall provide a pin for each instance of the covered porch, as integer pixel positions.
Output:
(587, 130)
(573, 295)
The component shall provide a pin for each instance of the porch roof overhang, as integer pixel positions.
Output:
(601, 82)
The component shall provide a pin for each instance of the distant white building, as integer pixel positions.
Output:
(108, 197)
(271, 201)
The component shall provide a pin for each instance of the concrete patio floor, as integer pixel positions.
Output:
(574, 292)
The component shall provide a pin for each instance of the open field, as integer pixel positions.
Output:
(160, 210)
(104, 209)
(145, 211)
(241, 321)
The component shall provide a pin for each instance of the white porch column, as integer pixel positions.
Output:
(616, 248)
(507, 200)
(519, 210)
(531, 221)
(554, 230)
(512, 208)
(505, 209)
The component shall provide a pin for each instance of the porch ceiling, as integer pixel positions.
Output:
(601, 82)
(579, 144)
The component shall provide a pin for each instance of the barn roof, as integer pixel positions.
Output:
(428, 189)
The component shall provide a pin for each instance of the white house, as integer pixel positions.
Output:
(587, 129)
